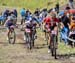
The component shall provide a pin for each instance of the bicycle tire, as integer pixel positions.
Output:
(12, 36)
(53, 46)
(54, 41)
(29, 45)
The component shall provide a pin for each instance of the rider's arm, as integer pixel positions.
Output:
(5, 23)
(43, 22)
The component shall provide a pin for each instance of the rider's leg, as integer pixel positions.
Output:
(16, 21)
(8, 31)
(21, 21)
(45, 34)
(35, 34)
(24, 35)
(55, 28)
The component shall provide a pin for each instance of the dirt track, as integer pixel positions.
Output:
(38, 54)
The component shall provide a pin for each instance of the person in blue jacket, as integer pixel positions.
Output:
(22, 13)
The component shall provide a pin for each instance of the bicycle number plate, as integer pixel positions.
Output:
(54, 32)
(27, 30)
(48, 29)
(47, 26)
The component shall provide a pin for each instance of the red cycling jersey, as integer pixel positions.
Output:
(47, 21)
(55, 20)
(51, 21)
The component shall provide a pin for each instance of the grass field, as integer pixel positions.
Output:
(31, 4)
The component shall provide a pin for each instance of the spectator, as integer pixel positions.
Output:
(22, 12)
(37, 12)
(65, 21)
(71, 3)
(57, 8)
(67, 7)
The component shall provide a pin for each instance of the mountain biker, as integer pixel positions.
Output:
(31, 22)
(22, 12)
(46, 25)
(54, 26)
(8, 24)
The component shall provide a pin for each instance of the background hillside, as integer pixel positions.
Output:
(30, 4)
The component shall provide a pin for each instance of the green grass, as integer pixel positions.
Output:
(30, 4)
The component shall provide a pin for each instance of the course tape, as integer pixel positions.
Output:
(71, 39)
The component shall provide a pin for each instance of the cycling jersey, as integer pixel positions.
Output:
(54, 23)
(47, 21)
(55, 20)
(9, 23)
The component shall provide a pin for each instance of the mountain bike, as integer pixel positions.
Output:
(47, 33)
(11, 35)
(33, 35)
(53, 44)
(28, 34)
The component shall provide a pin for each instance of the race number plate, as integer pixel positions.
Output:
(27, 30)
(54, 32)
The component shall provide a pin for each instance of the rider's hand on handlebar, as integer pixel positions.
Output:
(56, 23)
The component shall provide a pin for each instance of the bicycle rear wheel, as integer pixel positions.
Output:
(12, 37)
(28, 41)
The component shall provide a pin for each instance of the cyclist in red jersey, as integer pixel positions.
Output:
(55, 20)
(46, 25)
(47, 21)
(54, 26)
